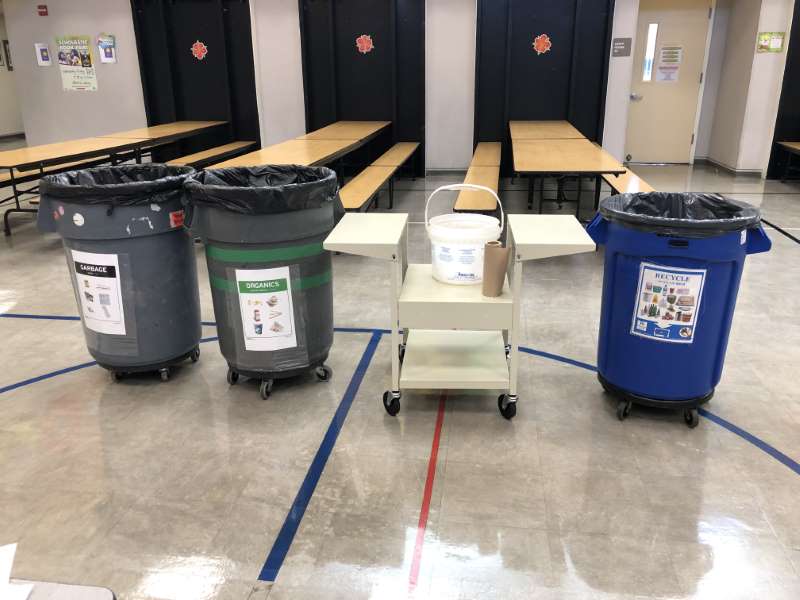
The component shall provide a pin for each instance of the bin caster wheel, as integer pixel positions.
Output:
(195, 355)
(265, 389)
(691, 417)
(508, 350)
(116, 376)
(164, 374)
(391, 402)
(233, 376)
(507, 405)
(623, 409)
(323, 373)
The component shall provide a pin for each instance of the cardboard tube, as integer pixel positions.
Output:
(495, 263)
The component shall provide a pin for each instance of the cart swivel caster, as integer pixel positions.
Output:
(507, 405)
(116, 376)
(623, 409)
(691, 418)
(265, 389)
(233, 376)
(323, 372)
(508, 350)
(195, 355)
(164, 373)
(391, 402)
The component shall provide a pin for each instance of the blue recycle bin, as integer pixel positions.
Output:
(673, 263)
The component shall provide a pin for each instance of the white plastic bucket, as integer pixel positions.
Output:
(458, 239)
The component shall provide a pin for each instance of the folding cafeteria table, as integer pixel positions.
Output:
(563, 157)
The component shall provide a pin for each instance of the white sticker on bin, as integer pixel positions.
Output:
(667, 303)
(99, 292)
(265, 302)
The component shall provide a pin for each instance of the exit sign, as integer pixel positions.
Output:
(42, 10)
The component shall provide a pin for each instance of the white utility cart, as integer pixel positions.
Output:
(451, 336)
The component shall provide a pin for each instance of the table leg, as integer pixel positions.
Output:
(391, 193)
(578, 199)
(531, 183)
(597, 183)
(541, 194)
(787, 167)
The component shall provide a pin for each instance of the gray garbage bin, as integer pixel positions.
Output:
(131, 261)
(263, 229)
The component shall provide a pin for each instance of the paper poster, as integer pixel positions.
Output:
(265, 301)
(770, 41)
(667, 303)
(98, 279)
(43, 55)
(669, 64)
(107, 48)
(75, 61)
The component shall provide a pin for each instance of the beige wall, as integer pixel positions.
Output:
(450, 27)
(279, 70)
(734, 83)
(10, 114)
(620, 76)
(52, 114)
(713, 74)
(764, 94)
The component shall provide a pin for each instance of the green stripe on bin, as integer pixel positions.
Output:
(264, 256)
(304, 283)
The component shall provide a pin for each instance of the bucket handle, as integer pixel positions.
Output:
(464, 186)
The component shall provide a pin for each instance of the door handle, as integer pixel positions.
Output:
(636, 97)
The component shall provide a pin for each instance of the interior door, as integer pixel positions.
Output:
(668, 63)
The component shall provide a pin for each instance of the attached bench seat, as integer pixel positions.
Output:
(35, 174)
(627, 183)
(360, 191)
(212, 155)
(483, 170)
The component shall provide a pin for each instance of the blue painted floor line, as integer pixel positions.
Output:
(49, 375)
(286, 535)
(757, 442)
(38, 378)
(43, 317)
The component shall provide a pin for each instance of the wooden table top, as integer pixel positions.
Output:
(543, 130)
(292, 152)
(167, 130)
(563, 156)
(65, 151)
(346, 130)
(793, 146)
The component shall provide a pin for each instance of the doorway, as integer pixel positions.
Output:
(669, 60)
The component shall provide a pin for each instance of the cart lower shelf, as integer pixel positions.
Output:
(447, 359)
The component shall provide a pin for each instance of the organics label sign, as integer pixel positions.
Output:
(265, 302)
(99, 291)
(667, 303)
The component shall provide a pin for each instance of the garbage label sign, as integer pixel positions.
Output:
(667, 303)
(265, 301)
(99, 292)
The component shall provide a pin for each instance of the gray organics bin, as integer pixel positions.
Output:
(263, 229)
(131, 261)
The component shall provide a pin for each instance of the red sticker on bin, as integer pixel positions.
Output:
(176, 218)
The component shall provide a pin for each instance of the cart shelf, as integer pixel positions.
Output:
(455, 360)
(428, 304)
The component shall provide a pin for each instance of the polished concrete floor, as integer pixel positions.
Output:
(179, 490)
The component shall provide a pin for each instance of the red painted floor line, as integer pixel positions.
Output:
(426, 498)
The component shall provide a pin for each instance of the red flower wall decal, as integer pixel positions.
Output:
(542, 43)
(364, 43)
(199, 50)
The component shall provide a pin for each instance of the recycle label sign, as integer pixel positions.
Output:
(667, 303)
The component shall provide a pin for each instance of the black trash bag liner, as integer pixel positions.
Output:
(266, 189)
(680, 214)
(124, 185)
